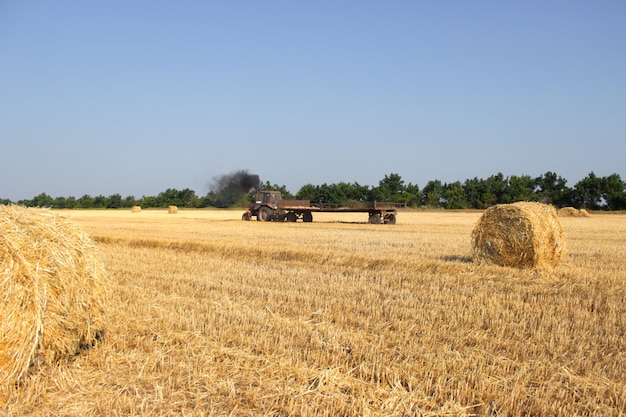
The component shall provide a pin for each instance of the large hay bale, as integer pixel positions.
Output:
(52, 290)
(172, 209)
(523, 235)
(135, 209)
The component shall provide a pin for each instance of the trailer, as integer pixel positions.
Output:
(270, 206)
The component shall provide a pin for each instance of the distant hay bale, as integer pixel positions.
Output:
(52, 290)
(569, 212)
(172, 209)
(572, 212)
(135, 209)
(522, 235)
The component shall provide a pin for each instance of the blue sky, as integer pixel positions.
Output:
(135, 97)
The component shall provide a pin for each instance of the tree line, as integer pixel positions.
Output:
(591, 192)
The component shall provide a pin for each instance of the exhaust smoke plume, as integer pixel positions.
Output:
(239, 181)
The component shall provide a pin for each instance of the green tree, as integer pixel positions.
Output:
(614, 192)
(587, 193)
(412, 195)
(86, 201)
(432, 194)
(552, 189)
(70, 202)
(308, 192)
(358, 192)
(129, 201)
(42, 200)
(209, 201)
(58, 203)
(393, 185)
(329, 194)
(114, 201)
(519, 189)
(454, 196)
(99, 201)
(474, 193)
(148, 202)
(496, 189)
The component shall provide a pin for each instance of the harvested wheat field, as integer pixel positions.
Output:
(212, 316)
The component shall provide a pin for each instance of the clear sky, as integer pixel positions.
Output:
(134, 97)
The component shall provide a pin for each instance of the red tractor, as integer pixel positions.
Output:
(265, 207)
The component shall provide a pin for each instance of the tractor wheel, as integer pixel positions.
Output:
(375, 218)
(390, 218)
(292, 217)
(307, 217)
(264, 214)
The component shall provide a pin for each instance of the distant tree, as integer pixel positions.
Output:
(168, 197)
(329, 194)
(114, 201)
(5, 201)
(70, 202)
(432, 194)
(42, 200)
(357, 192)
(551, 189)
(412, 195)
(208, 201)
(58, 203)
(129, 201)
(86, 201)
(587, 193)
(519, 189)
(454, 196)
(390, 188)
(308, 192)
(496, 189)
(99, 201)
(614, 192)
(474, 192)
(187, 197)
(148, 202)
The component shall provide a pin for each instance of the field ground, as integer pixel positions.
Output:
(212, 316)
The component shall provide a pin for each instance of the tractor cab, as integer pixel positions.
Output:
(269, 198)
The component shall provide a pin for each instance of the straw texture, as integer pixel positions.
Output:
(523, 235)
(573, 212)
(52, 290)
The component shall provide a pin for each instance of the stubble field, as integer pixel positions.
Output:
(212, 316)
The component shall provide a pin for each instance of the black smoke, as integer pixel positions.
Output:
(229, 188)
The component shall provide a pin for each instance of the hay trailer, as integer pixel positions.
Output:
(270, 206)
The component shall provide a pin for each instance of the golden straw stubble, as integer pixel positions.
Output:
(52, 290)
(522, 235)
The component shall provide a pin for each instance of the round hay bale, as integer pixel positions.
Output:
(584, 213)
(172, 209)
(569, 212)
(522, 235)
(135, 209)
(51, 288)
